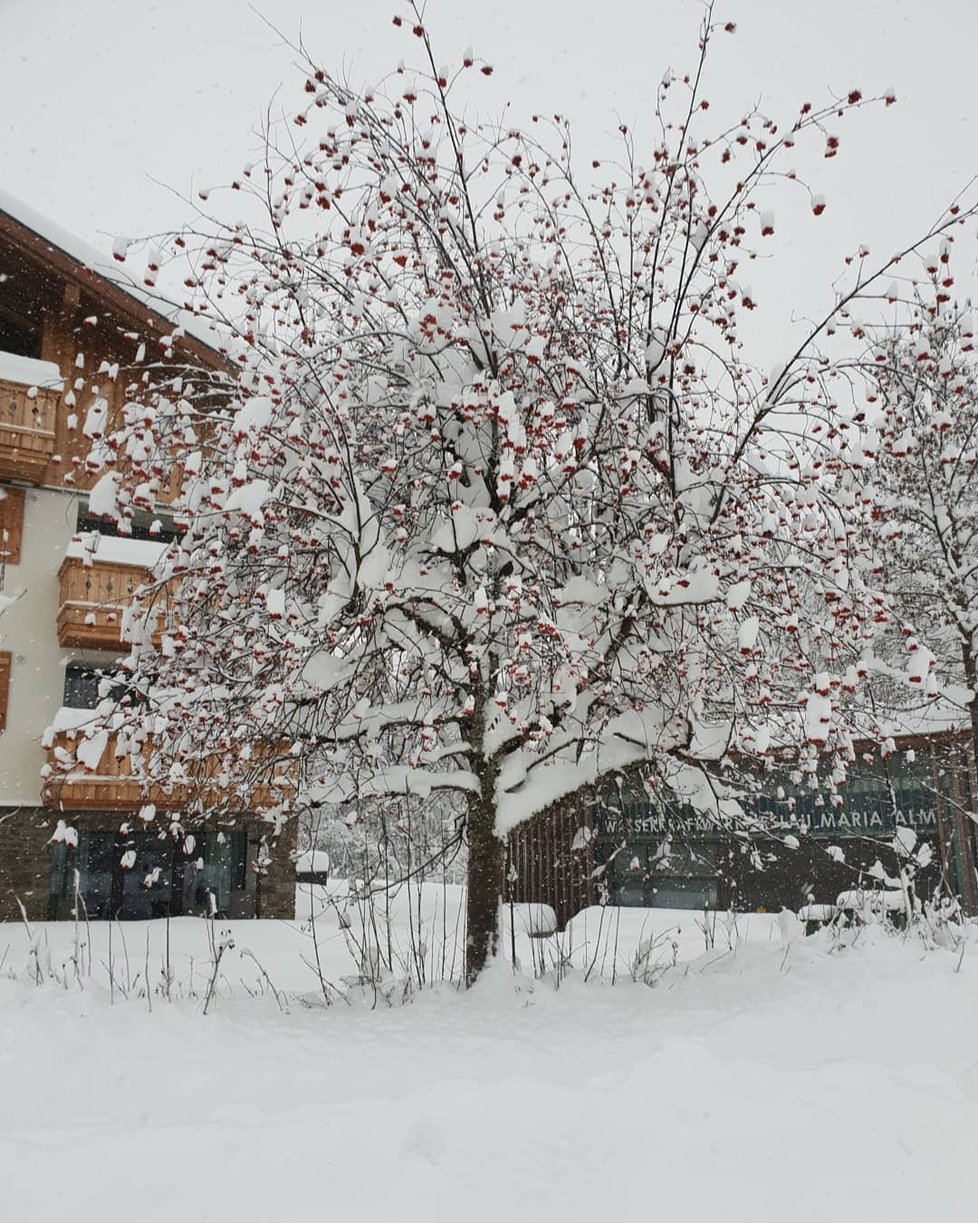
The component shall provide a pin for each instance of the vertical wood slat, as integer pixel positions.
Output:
(961, 772)
(552, 864)
(6, 658)
(970, 846)
(548, 870)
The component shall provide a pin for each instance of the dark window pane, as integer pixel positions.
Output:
(142, 526)
(96, 859)
(82, 686)
(161, 877)
(19, 337)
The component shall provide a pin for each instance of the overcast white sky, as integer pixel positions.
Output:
(101, 98)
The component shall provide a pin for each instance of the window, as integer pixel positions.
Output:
(142, 526)
(19, 336)
(649, 872)
(656, 852)
(876, 799)
(82, 683)
(160, 878)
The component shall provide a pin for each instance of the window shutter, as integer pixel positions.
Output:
(5, 659)
(11, 524)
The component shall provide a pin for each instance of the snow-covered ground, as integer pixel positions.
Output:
(768, 1077)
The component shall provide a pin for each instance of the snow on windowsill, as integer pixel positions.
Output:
(26, 371)
(88, 728)
(114, 550)
(68, 719)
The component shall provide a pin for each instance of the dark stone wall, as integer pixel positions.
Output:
(25, 861)
(275, 890)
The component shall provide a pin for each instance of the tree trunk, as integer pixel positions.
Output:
(486, 879)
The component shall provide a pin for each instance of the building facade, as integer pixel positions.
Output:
(75, 827)
(627, 845)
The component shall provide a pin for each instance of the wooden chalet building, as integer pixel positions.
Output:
(73, 337)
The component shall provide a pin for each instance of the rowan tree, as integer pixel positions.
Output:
(501, 504)
(922, 412)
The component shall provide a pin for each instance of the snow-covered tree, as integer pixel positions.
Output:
(923, 410)
(392, 841)
(502, 505)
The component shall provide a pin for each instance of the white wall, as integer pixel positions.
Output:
(29, 630)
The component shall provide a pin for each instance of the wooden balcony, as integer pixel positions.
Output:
(26, 431)
(110, 786)
(93, 599)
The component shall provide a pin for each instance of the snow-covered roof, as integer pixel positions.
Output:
(943, 715)
(108, 268)
(312, 861)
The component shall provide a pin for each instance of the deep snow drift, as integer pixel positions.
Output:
(772, 1077)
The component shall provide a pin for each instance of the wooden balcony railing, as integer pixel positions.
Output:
(26, 431)
(73, 786)
(93, 600)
